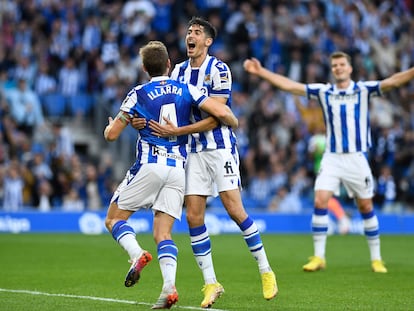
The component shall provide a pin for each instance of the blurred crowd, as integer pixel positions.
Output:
(68, 48)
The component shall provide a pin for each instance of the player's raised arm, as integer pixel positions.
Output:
(253, 66)
(396, 80)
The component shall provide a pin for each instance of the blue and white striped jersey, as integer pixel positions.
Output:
(161, 97)
(346, 114)
(213, 79)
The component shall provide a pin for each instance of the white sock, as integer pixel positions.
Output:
(201, 245)
(168, 268)
(254, 242)
(130, 244)
(371, 229)
(320, 233)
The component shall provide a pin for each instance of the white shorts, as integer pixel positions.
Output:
(155, 186)
(212, 171)
(352, 169)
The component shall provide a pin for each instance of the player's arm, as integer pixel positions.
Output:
(220, 111)
(397, 80)
(253, 66)
(169, 129)
(116, 126)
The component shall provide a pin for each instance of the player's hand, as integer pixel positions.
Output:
(252, 65)
(163, 130)
(138, 123)
(110, 120)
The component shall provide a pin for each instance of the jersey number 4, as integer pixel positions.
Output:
(169, 112)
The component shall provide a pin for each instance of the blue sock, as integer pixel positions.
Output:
(251, 235)
(167, 249)
(200, 241)
(120, 229)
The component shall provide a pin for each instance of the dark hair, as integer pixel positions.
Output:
(208, 28)
(155, 58)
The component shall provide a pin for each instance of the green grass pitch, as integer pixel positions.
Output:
(77, 272)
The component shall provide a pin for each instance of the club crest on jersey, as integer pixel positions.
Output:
(207, 79)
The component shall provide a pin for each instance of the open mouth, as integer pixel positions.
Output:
(191, 46)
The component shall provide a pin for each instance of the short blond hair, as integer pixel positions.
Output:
(340, 54)
(154, 58)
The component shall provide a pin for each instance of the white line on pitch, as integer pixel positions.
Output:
(131, 302)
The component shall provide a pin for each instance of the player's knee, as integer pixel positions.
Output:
(365, 205)
(321, 202)
(161, 236)
(194, 219)
(108, 224)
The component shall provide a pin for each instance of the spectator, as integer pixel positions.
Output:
(13, 189)
(45, 192)
(285, 201)
(70, 79)
(45, 83)
(386, 191)
(72, 202)
(25, 108)
(63, 144)
(93, 199)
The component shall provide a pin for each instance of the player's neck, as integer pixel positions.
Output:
(196, 62)
(343, 85)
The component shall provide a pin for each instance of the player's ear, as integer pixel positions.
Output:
(209, 42)
(168, 65)
(144, 69)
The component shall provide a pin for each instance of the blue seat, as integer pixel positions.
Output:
(80, 104)
(54, 105)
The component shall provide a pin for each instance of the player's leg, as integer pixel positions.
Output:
(199, 185)
(371, 230)
(140, 190)
(167, 258)
(124, 235)
(320, 220)
(326, 184)
(201, 246)
(225, 164)
(360, 183)
(200, 239)
(233, 204)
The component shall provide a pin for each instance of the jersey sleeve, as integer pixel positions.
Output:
(198, 97)
(313, 90)
(373, 87)
(129, 102)
(221, 80)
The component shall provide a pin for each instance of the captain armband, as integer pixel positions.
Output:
(122, 117)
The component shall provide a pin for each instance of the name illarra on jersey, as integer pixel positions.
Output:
(164, 90)
(213, 78)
